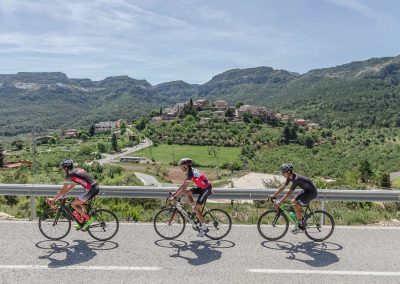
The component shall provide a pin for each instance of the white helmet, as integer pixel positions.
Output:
(185, 161)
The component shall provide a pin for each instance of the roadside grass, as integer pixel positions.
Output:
(202, 155)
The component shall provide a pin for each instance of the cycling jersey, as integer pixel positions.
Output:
(198, 178)
(302, 182)
(81, 177)
(309, 191)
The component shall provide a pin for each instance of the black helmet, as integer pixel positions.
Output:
(286, 168)
(69, 164)
(185, 161)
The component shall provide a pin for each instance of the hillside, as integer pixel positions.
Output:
(362, 94)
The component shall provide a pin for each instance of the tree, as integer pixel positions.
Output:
(114, 143)
(92, 129)
(384, 180)
(101, 147)
(84, 136)
(365, 171)
(286, 134)
(2, 160)
(17, 145)
(247, 117)
(123, 128)
(239, 104)
(309, 141)
(141, 124)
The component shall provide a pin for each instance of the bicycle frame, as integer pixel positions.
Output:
(66, 209)
(178, 207)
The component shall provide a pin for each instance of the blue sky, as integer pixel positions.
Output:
(162, 40)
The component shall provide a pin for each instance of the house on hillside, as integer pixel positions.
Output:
(169, 114)
(253, 110)
(219, 114)
(312, 125)
(300, 122)
(156, 119)
(221, 104)
(105, 126)
(71, 134)
(202, 103)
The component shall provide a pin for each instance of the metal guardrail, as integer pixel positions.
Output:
(324, 195)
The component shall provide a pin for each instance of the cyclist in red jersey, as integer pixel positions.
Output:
(74, 177)
(203, 189)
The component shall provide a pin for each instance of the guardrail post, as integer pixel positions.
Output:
(33, 207)
(323, 209)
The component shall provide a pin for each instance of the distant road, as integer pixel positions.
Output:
(110, 158)
(147, 179)
(138, 255)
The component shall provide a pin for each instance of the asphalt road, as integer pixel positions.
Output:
(138, 255)
(110, 158)
(147, 179)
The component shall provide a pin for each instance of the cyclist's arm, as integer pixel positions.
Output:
(181, 189)
(286, 196)
(280, 189)
(64, 190)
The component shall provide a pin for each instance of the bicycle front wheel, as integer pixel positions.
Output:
(169, 223)
(54, 224)
(218, 223)
(105, 226)
(319, 225)
(273, 225)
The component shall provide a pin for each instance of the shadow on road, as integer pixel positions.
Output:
(204, 251)
(61, 253)
(320, 253)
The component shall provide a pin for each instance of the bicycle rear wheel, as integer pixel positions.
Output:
(105, 226)
(218, 223)
(54, 224)
(315, 230)
(169, 223)
(273, 225)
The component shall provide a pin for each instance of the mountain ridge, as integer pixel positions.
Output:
(47, 99)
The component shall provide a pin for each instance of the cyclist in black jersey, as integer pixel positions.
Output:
(74, 177)
(308, 193)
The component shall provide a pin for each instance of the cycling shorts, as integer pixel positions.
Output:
(203, 194)
(304, 197)
(89, 194)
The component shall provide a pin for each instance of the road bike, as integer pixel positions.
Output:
(169, 222)
(55, 223)
(274, 223)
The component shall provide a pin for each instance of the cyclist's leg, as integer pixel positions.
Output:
(201, 200)
(79, 203)
(297, 205)
(303, 199)
(189, 196)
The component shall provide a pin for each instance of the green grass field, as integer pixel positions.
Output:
(200, 154)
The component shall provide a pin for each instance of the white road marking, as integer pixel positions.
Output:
(326, 272)
(44, 267)
(234, 225)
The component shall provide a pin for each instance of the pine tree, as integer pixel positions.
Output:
(92, 129)
(114, 143)
(2, 160)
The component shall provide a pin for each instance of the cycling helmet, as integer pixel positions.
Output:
(286, 168)
(185, 161)
(69, 164)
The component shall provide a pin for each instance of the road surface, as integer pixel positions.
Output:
(138, 255)
(110, 158)
(147, 179)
